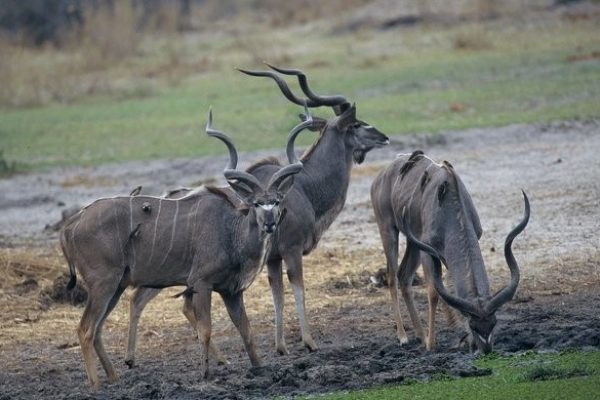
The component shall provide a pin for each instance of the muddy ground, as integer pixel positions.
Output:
(557, 164)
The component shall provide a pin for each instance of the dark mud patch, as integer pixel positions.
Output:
(352, 356)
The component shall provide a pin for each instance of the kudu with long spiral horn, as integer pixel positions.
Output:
(202, 241)
(429, 203)
(319, 193)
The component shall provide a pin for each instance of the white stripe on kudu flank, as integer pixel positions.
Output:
(121, 244)
(172, 234)
(155, 230)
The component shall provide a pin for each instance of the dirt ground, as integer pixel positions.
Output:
(556, 306)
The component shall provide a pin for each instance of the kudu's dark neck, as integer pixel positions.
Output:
(326, 174)
(465, 262)
(247, 235)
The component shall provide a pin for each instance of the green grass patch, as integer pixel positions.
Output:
(407, 81)
(573, 375)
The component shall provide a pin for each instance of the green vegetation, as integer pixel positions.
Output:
(420, 79)
(572, 375)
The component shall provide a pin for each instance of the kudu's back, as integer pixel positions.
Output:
(143, 235)
(429, 203)
(432, 195)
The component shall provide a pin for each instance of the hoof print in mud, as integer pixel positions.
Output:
(331, 375)
(262, 371)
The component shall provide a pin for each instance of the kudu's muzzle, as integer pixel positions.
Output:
(480, 344)
(270, 222)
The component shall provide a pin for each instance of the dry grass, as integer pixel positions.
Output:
(112, 55)
(101, 57)
(23, 275)
(86, 181)
(337, 278)
(334, 279)
(473, 38)
(107, 36)
(367, 170)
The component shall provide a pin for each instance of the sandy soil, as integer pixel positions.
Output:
(556, 307)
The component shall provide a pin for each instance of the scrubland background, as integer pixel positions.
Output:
(99, 96)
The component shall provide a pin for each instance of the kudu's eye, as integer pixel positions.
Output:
(276, 202)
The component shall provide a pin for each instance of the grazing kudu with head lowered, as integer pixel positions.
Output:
(415, 194)
(318, 195)
(202, 241)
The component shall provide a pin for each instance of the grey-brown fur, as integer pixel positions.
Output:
(200, 241)
(143, 295)
(318, 195)
(432, 199)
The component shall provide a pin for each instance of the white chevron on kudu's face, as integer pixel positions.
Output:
(319, 192)
(202, 240)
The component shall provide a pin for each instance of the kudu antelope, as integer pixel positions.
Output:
(431, 198)
(319, 192)
(143, 295)
(201, 241)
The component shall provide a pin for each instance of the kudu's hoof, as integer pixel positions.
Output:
(403, 340)
(222, 361)
(311, 346)
(261, 370)
(282, 350)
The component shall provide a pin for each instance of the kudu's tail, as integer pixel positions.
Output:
(73, 279)
(72, 271)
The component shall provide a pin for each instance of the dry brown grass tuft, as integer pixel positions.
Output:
(107, 35)
(101, 57)
(474, 39)
(87, 181)
(367, 170)
(334, 278)
(23, 276)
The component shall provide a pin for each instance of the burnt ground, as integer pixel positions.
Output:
(555, 308)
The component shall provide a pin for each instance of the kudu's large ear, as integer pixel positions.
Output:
(347, 118)
(341, 108)
(317, 123)
(243, 191)
(285, 186)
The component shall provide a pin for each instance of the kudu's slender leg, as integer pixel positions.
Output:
(389, 238)
(98, 345)
(408, 267)
(188, 311)
(432, 299)
(293, 262)
(141, 297)
(100, 295)
(201, 300)
(237, 312)
(276, 282)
